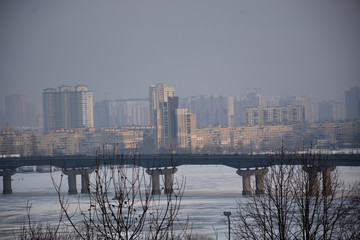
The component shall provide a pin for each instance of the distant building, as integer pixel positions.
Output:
(331, 111)
(2, 119)
(19, 113)
(163, 105)
(186, 129)
(352, 103)
(213, 110)
(158, 94)
(102, 112)
(122, 112)
(304, 101)
(67, 108)
(131, 112)
(252, 99)
(290, 114)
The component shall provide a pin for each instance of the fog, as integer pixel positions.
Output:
(119, 48)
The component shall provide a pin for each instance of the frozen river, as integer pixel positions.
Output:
(210, 190)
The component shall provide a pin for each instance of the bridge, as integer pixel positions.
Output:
(156, 165)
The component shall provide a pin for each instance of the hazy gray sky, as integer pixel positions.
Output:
(220, 47)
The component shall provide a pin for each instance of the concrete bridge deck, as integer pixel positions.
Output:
(246, 165)
(156, 161)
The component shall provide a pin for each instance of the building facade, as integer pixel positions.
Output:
(331, 111)
(275, 115)
(213, 110)
(158, 94)
(352, 102)
(185, 129)
(19, 113)
(163, 105)
(66, 108)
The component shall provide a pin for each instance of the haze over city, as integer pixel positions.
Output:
(119, 48)
(185, 119)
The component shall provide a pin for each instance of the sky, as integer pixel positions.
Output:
(118, 48)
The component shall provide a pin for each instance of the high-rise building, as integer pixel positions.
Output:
(102, 112)
(2, 119)
(306, 101)
(252, 99)
(213, 110)
(19, 113)
(131, 112)
(122, 112)
(352, 104)
(289, 114)
(158, 93)
(186, 129)
(65, 108)
(163, 105)
(331, 111)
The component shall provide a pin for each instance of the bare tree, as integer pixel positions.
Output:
(121, 206)
(30, 229)
(296, 206)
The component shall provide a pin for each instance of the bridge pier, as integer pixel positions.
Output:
(326, 172)
(7, 180)
(155, 179)
(313, 171)
(85, 182)
(259, 180)
(169, 179)
(246, 174)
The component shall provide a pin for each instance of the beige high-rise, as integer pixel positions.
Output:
(162, 114)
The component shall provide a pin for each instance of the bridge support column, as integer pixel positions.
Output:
(326, 172)
(259, 179)
(85, 181)
(246, 174)
(169, 179)
(7, 181)
(72, 183)
(155, 180)
(313, 179)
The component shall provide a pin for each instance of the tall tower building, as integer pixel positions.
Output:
(67, 108)
(19, 113)
(162, 114)
(132, 112)
(102, 112)
(158, 93)
(185, 129)
(331, 111)
(213, 110)
(352, 104)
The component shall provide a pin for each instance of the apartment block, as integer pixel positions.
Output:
(213, 110)
(163, 105)
(352, 101)
(331, 111)
(66, 108)
(214, 139)
(186, 129)
(20, 113)
(291, 114)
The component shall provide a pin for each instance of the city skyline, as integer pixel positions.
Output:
(210, 110)
(120, 48)
(340, 98)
